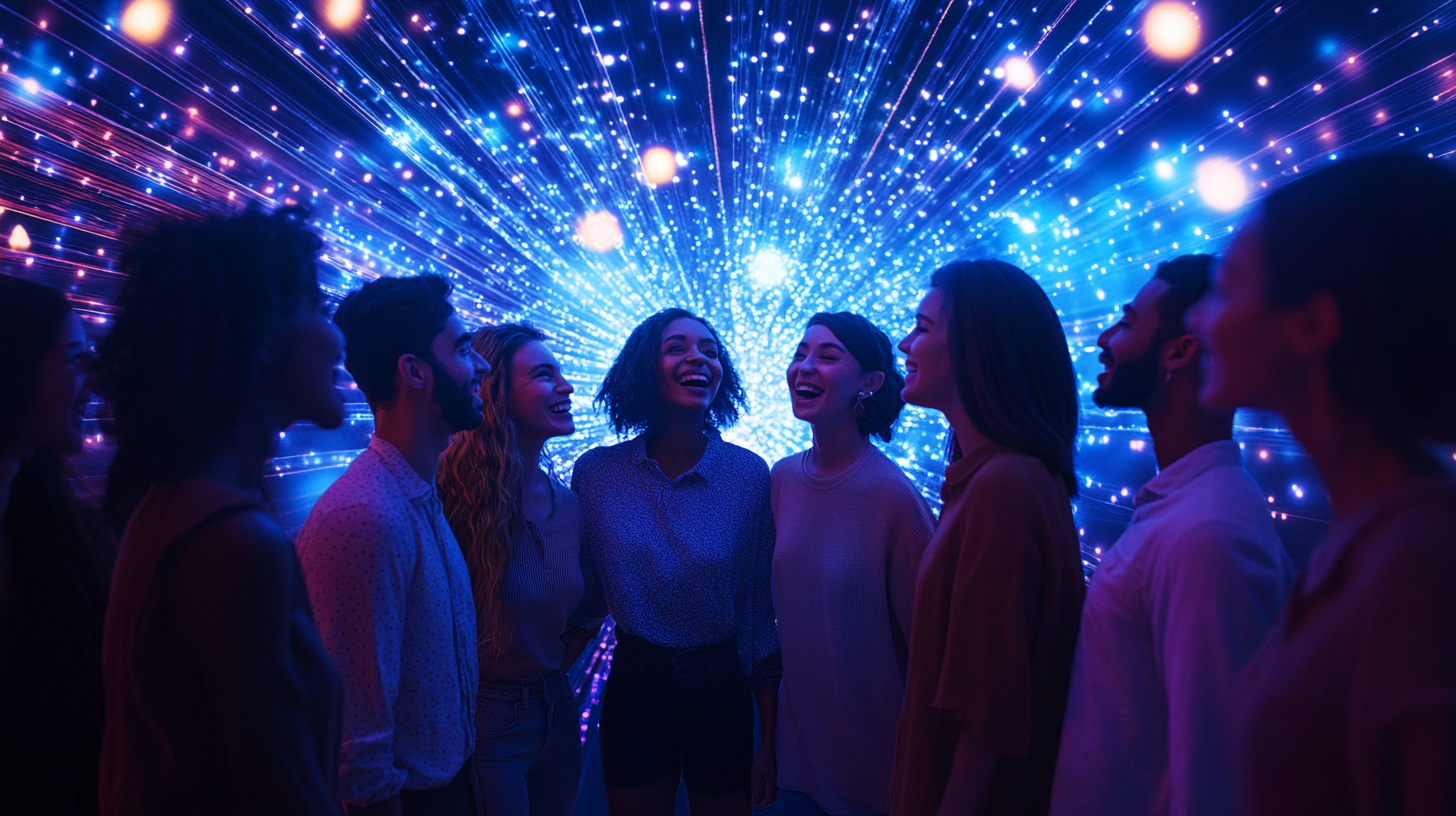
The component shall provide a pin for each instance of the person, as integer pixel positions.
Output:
(999, 594)
(849, 528)
(220, 697)
(678, 546)
(388, 581)
(1332, 309)
(55, 562)
(1181, 601)
(520, 529)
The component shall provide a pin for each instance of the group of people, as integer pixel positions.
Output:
(174, 653)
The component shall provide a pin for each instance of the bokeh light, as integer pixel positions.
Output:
(146, 20)
(659, 165)
(19, 238)
(342, 15)
(1171, 30)
(599, 231)
(1222, 184)
(769, 268)
(1019, 73)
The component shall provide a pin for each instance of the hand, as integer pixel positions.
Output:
(763, 784)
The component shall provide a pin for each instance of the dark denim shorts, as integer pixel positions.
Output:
(670, 713)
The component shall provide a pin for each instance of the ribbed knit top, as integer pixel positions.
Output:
(847, 553)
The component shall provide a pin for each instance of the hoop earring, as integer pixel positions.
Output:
(859, 403)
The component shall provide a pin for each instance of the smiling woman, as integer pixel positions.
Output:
(678, 547)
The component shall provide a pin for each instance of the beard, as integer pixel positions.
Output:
(1132, 382)
(456, 401)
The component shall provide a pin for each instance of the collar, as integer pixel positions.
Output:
(704, 469)
(1195, 463)
(409, 481)
(958, 474)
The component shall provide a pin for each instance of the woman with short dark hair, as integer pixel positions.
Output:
(55, 562)
(678, 547)
(999, 597)
(849, 531)
(220, 698)
(1334, 309)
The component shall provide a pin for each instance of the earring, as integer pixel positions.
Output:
(859, 402)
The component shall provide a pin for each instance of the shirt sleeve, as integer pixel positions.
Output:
(358, 568)
(235, 602)
(984, 676)
(758, 631)
(591, 610)
(1214, 594)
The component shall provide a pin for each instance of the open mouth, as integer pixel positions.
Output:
(560, 408)
(910, 366)
(695, 380)
(808, 392)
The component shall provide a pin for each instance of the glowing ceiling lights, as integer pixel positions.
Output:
(342, 15)
(19, 239)
(1171, 31)
(146, 20)
(1018, 73)
(769, 268)
(659, 165)
(1222, 184)
(599, 231)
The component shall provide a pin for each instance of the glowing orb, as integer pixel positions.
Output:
(1164, 169)
(599, 231)
(659, 165)
(342, 15)
(1171, 30)
(1018, 73)
(769, 268)
(1027, 225)
(1222, 184)
(146, 20)
(19, 239)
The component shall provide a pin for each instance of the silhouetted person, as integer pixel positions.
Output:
(55, 562)
(220, 698)
(1183, 597)
(388, 581)
(1334, 309)
(999, 596)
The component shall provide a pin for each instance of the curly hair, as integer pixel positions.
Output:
(480, 483)
(385, 319)
(870, 347)
(1011, 363)
(632, 393)
(203, 307)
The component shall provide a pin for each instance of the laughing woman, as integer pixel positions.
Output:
(679, 548)
(520, 530)
(850, 528)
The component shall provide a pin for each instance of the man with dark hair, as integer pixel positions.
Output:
(1183, 598)
(389, 585)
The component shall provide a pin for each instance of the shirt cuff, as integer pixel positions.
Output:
(766, 672)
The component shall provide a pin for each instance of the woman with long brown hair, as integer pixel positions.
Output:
(520, 530)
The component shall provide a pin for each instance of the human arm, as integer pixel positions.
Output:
(913, 526)
(358, 568)
(237, 604)
(971, 771)
(1213, 591)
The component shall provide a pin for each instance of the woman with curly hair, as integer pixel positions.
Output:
(849, 531)
(520, 530)
(220, 697)
(678, 547)
(55, 562)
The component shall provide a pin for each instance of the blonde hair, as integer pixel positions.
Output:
(479, 481)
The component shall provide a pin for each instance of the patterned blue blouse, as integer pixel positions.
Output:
(682, 562)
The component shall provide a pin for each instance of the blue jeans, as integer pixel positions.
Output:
(528, 747)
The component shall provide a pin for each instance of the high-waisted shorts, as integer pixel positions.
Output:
(670, 713)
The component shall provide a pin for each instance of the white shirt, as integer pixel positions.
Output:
(391, 596)
(1177, 607)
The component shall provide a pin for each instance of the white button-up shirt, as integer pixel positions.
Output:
(1174, 612)
(391, 595)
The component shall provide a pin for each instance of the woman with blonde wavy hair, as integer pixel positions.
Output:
(520, 530)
